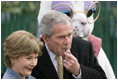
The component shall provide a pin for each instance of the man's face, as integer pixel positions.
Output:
(61, 39)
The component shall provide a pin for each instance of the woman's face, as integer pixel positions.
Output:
(24, 64)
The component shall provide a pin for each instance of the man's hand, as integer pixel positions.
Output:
(71, 64)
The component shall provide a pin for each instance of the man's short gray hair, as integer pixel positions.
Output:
(51, 18)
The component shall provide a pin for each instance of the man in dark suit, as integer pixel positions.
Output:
(79, 62)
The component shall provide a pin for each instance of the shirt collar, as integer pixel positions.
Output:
(51, 54)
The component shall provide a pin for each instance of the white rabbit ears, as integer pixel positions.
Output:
(45, 6)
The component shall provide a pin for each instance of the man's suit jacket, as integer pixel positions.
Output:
(83, 51)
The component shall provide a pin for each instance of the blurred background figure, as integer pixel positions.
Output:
(21, 51)
(16, 15)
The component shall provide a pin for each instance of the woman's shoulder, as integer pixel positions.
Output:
(10, 74)
(31, 77)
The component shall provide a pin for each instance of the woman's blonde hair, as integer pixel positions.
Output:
(20, 43)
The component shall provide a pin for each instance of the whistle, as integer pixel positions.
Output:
(67, 50)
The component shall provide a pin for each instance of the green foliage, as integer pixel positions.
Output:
(20, 7)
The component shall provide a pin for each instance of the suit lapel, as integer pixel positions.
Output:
(46, 65)
(74, 51)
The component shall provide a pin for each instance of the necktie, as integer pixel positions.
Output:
(60, 66)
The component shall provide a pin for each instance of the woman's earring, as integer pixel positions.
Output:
(11, 62)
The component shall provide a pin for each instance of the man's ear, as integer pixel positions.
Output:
(45, 38)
